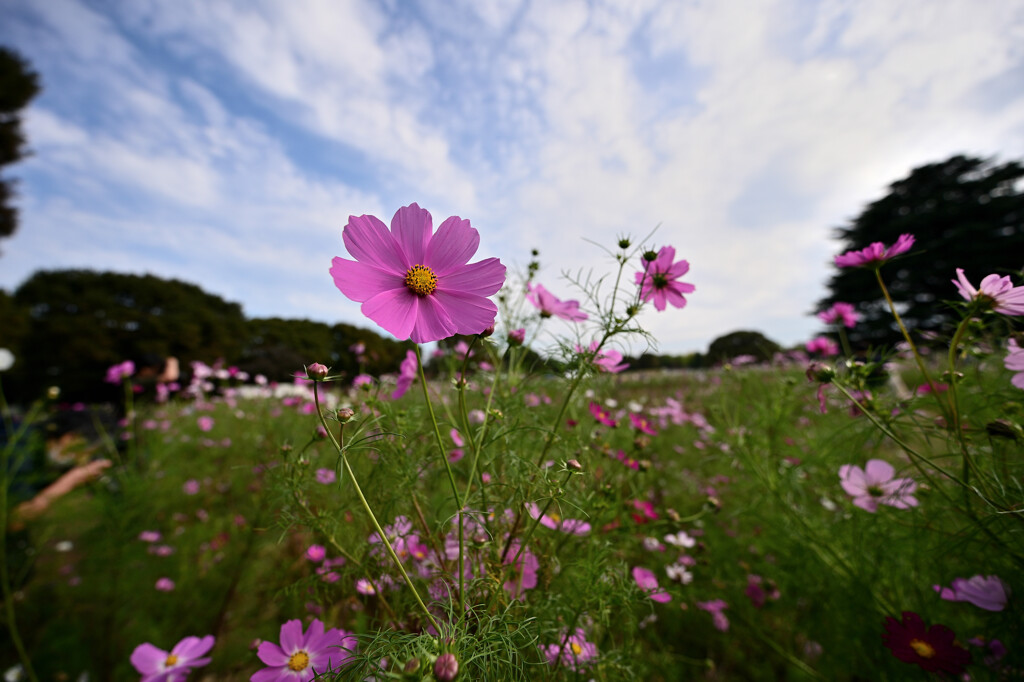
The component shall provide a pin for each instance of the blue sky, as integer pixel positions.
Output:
(226, 143)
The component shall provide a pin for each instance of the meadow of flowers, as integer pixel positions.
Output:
(825, 516)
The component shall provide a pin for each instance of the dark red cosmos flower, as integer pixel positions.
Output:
(932, 648)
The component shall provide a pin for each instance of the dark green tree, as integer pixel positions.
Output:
(964, 213)
(18, 85)
(727, 347)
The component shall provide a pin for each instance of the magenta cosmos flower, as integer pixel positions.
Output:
(658, 281)
(301, 656)
(573, 652)
(934, 648)
(544, 301)
(416, 283)
(555, 522)
(648, 583)
(605, 360)
(840, 313)
(823, 345)
(1014, 362)
(985, 592)
(406, 374)
(874, 485)
(157, 665)
(995, 291)
(875, 254)
(716, 607)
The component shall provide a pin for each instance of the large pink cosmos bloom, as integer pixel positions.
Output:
(416, 283)
(1014, 362)
(302, 655)
(874, 485)
(548, 305)
(998, 292)
(659, 280)
(840, 312)
(157, 665)
(875, 254)
(406, 374)
(985, 592)
(648, 583)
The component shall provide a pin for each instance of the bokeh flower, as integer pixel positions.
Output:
(602, 415)
(933, 648)
(544, 301)
(573, 652)
(117, 373)
(648, 583)
(1014, 362)
(414, 282)
(300, 654)
(984, 591)
(874, 485)
(406, 374)
(157, 665)
(325, 476)
(659, 280)
(716, 608)
(996, 292)
(875, 254)
(823, 345)
(840, 313)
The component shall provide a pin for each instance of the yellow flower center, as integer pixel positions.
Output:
(421, 280)
(555, 517)
(298, 661)
(922, 649)
(171, 660)
(576, 648)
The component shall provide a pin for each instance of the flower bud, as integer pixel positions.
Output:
(446, 667)
(822, 374)
(317, 372)
(516, 337)
(650, 256)
(345, 414)
(487, 332)
(624, 243)
(574, 464)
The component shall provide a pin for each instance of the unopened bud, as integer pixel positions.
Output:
(345, 414)
(411, 666)
(624, 243)
(650, 256)
(487, 332)
(574, 464)
(516, 337)
(446, 667)
(819, 373)
(317, 372)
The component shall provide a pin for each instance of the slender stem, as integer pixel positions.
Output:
(366, 505)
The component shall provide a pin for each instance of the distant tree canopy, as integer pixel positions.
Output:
(66, 327)
(964, 213)
(18, 85)
(727, 347)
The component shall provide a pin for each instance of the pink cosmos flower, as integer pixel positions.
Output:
(995, 291)
(316, 553)
(119, 372)
(659, 280)
(300, 655)
(362, 380)
(840, 312)
(157, 665)
(325, 476)
(715, 607)
(823, 345)
(150, 536)
(642, 424)
(875, 485)
(555, 522)
(524, 573)
(544, 301)
(517, 337)
(416, 283)
(406, 374)
(875, 254)
(576, 653)
(602, 415)
(1014, 362)
(205, 423)
(164, 585)
(190, 487)
(606, 360)
(985, 592)
(648, 582)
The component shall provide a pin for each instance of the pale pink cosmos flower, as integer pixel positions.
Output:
(840, 313)
(823, 346)
(205, 423)
(875, 485)
(524, 572)
(157, 665)
(301, 656)
(164, 585)
(544, 301)
(555, 522)
(325, 476)
(648, 583)
(998, 292)
(576, 653)
(606, 360)
(985, 592)
(1014, 362)
(875, 254)
(716, 607)
(406, 374)
(659, 280)
(190, 487)
(414, 282)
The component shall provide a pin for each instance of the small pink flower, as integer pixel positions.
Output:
(301, 656)
(190, 487)
(414, 282)
(517, 337)
(648, 582)
(316, 553)
(1014, 361)
(875, 485)
(364, 586)
(994, 291)
(576, 653)
(406, 374)
(165, 585)
(605, 360)
(642, 424)
(157, 665)
(602, 415)
(823, 346)
(875, 254)
(119, 372)
(659, 280)
(325, 476)
(840, 312)
(362, 380)
(554, 522)
(985, 592)
(524, 573)
(205, 423)
(150, 536)
(544, 301)
(715, 607)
